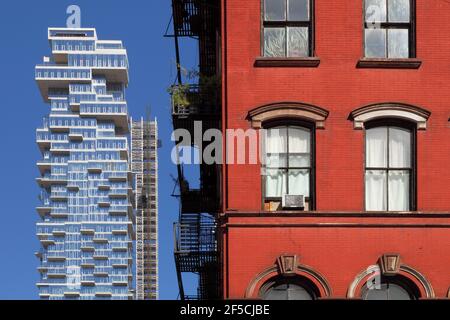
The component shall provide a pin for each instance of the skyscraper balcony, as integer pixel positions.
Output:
(119, 193)
(75, 137)
(59, 196)
(43, 139)
(43, 231)
(117, 112)
(87, 263)
(44, 166)
(121, 210)
(55, 76)
(44, 210)
(56, 256)
(57, 273)
(87, 231)
(47, 180)
(71, 294)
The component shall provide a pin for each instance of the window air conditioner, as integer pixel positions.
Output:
(293, 201)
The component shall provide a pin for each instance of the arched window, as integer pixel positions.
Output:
(289, 288)
(289, 164)
(390, 166)
(390, 288)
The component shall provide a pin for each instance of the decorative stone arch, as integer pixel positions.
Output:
(390, 265)
(287, 266)
(292, 110)
(390, 110)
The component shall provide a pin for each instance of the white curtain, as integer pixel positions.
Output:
(299, 156)
(399, 148)
(376, 190)
(399, 191)
(276, 147)
(376, 147)
(275, 182)
(299, 147)
(299, 182)
(276, 140)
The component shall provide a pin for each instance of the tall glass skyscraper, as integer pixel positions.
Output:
(87, 219)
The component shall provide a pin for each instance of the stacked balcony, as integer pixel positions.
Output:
(85, 151)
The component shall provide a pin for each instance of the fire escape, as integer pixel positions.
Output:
(195, 233)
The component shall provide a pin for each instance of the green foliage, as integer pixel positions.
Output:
(179, 95)
(209, 86)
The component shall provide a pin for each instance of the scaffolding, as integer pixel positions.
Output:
(144, 165)
(195, 234)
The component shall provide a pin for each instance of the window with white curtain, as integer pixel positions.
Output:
(389, 168)
(288, 162)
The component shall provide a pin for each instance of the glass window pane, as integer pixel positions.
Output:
(376, 147)
(399, 10)
(298, 43)
(277, 160)
(399, 191)
(299, 182)
(276, 140)
(299, 147)
(375, 10)
(396, 292)
(398, 42)
(287, 292)
(274, 10)
(386, 291)
(375, 43)
(296, 292)
(275, 182)
(298, 10)
(399, 148)
(376, 190)
(276, 294)
(374, 293)
(274, 42)
(299, 160)
(299, 140)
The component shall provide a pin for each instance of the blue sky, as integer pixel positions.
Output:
(140, 25)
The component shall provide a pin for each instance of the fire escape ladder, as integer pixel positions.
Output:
(196, 231)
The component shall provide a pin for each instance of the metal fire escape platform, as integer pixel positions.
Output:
(195, 233)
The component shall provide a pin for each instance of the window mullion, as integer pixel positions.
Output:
(287, 159)
(286, 18)
(388, 167)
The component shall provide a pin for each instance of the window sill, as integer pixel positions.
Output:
(307, 62)
(382, 63)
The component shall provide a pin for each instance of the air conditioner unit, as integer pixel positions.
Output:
(293, 201)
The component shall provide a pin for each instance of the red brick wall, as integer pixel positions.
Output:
(339, 254)
(339, 87)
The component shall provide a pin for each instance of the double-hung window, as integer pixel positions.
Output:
(389, 173)
(288, 162)
(389, 30)
(288, 28)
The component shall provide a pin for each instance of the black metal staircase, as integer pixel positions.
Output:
(196, 231)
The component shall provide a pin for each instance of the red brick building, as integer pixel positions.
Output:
(355, 100)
